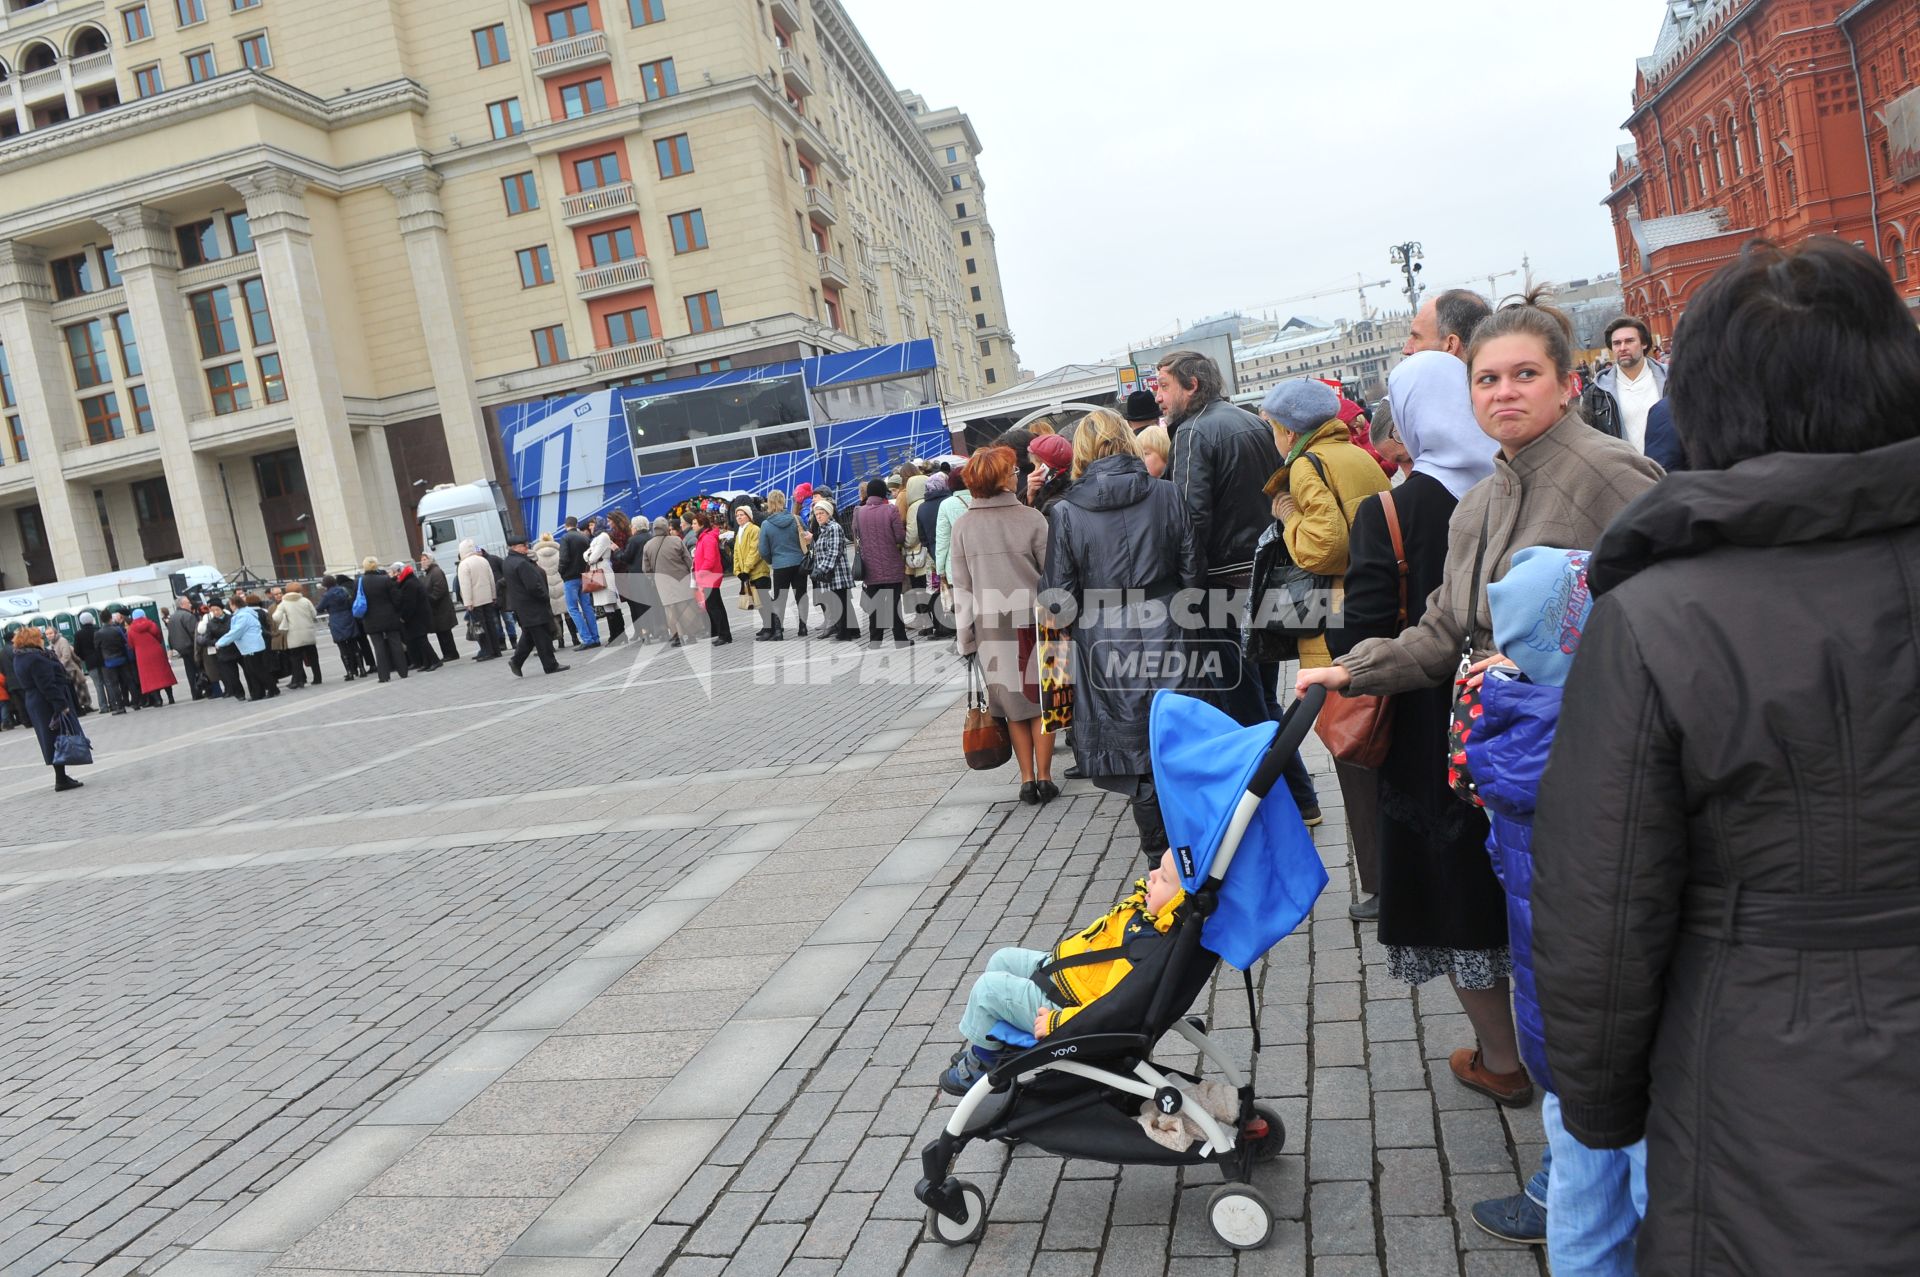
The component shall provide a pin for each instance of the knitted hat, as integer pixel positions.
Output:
(1055, 451)
(1302, 405)
(938, 484)
(1539, 611)
(1142, 407)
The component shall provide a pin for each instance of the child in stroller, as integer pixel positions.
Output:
(1023, 987)
(1242, 872)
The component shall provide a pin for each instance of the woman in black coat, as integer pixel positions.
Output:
(382, 620)
(416, 616)
(1726, 884)
(1442, 912)
(1116, 529)
(47, 694)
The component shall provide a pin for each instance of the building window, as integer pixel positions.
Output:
(833, 314)
(240, 232)
(646, 12)
(490, 45)
(129, 344)
(1753, 124)
(147, 81)
(272, 384)
(612, 246)
(976, 292)
(710, 366)
(110, 267)
(991, 377)
(689, 231)
(259, 319)
(19, 434)
(597, 171)
(228, 385)
(293, 555)
(675, 155)
(255, 53)
(87, 346)
(536, 266)
(72, 276)
(979, 321)
(200, 66)
(584, 98)
(959, 210)
(703, 312)
(190, 11)
(504, 118)
(1897, 259)
(564, 24)
(6, 381)
(971, 268)
(238, 5)
(954, 181)
(1713, 148)
(136, 23)
(658, 79)
(986, 349)
(953, 155)
(142, 410)
(102, 415)
(213, 322)
(966, 239)
(549, 345)
(625, 327)
(522, 195)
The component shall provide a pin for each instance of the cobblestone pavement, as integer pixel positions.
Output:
(418, 1009)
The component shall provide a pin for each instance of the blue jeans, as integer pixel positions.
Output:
(1005, 991)
(1299, 780)
(580, 608)
(1595, 1200)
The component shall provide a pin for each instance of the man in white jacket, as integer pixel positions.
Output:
(478, 592)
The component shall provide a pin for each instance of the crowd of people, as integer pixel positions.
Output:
(1647, 800)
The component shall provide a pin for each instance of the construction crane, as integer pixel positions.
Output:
(1360, 286)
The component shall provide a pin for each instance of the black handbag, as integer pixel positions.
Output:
(1288, 603)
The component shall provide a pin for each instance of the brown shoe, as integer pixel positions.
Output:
(1514, 1090)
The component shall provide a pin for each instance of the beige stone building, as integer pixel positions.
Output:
(267, 265)
(956, 148)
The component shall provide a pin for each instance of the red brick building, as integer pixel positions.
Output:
(1748, 122)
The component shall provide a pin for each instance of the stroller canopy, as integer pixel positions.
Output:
(1203, 764)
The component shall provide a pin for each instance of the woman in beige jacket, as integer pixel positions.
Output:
(295, 621)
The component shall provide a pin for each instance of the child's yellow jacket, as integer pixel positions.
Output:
(1074, 987)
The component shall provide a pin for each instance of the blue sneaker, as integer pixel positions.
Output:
(969, 1067)
(1517, 1219)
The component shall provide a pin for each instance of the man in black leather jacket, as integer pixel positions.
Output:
(1222, 459)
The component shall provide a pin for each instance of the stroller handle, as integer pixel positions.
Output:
(1293, 731)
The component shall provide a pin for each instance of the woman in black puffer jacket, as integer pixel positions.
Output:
(1727, 890)
(1114, 530)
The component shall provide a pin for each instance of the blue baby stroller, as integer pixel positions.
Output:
(1251, 873)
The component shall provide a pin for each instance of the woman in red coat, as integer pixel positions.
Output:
(709, 569)
(150, 654)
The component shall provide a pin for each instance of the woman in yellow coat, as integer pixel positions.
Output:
(1315, 505)
(751, 566)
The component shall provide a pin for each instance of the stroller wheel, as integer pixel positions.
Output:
(1239, 1216)
(1267, 1147)
(961, 1233)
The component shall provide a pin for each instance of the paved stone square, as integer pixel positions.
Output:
(644, 968)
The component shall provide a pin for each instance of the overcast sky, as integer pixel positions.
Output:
(1153, 162)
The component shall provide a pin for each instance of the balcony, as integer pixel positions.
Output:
(820, 204)
(834, 271)
(786, 13)
(37, 86)
(601, 201)
(794, 72)
(571, 54)
(635, 355)
(635, 272)
(92, 69)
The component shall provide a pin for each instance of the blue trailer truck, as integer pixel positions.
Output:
(833, 421)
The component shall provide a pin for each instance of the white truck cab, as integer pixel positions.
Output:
(452, 513)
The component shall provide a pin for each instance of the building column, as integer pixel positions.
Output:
(283, 241)
(375, 456)
(143, 246)
(47, 413)
(443, 320)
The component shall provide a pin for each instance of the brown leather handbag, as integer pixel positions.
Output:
(1358, 729)
(984, 739)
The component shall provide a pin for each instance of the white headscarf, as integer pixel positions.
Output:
(1433, 412)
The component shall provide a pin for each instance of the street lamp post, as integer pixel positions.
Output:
(1408, 257)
